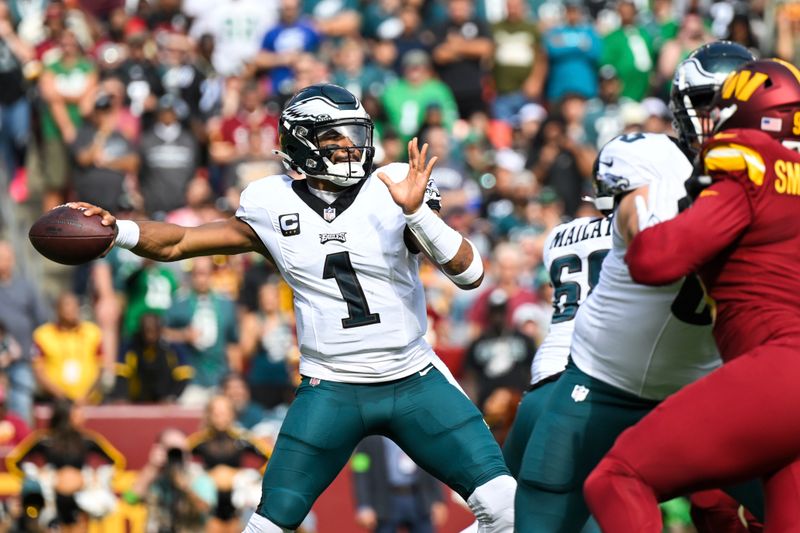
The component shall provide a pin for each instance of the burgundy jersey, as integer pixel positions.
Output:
(247, 133)
(742, 235)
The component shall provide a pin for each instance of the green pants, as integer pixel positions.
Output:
(580, 421)
(529, 411)
(428, 417)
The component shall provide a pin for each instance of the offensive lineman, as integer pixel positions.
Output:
(573, 254)
(633, 345)
(742, 235)
(346, 244)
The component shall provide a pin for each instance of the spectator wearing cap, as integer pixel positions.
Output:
(603, 121)
(501, 356)
(630, 49)
(520, 66)
(633, 116)
(169, 155)
(102, 158)
(463, 45)
(506, 163)
(526, 125)
(67, 87)
(294, 34)
(533, 320)
(406, 99)
(573, 52)
(659, 118)
(237, 27)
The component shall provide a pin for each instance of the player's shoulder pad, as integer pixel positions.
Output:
(637, 159)
(396, 171)
(737, 154)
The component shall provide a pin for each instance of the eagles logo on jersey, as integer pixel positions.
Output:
(330, 115)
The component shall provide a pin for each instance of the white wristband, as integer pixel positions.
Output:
(473, 272)
(438, 239)
(127, 234)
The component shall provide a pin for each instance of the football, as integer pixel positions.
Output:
(66, 236)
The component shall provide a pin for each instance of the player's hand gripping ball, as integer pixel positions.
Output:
(65, 235)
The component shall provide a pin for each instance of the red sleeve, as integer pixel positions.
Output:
(666, 252)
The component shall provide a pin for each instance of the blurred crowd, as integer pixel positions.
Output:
(167, 109)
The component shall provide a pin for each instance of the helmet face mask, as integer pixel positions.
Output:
(696, 81)
(326, 134)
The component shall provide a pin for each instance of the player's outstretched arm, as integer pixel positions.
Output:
(456, 256)
(161, 241)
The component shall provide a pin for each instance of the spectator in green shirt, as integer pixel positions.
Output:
(68, 85)
(405, 100)
(148, 290)
(520, 66)
(204, 323)
(630, 50)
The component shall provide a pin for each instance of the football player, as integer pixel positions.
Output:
(346, 241)
(573, 254)
(742, 235)
(632, 345)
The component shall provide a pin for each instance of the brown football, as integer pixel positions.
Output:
(67, 236)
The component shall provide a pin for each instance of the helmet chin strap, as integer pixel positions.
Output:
(285, 159)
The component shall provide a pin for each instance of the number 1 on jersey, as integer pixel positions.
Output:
(339, 267)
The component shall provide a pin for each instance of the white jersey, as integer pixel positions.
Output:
(573, 254)
(358, 299)
(649, 341)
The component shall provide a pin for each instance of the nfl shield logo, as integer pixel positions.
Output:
(314, 382)
(329, 214)
(579, 393)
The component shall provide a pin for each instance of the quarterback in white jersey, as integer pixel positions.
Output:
(345, 276)
(346, 240)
